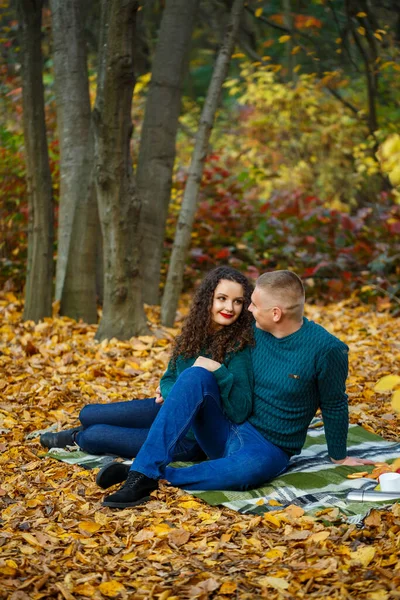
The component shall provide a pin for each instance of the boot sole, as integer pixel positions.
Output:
(126, 504)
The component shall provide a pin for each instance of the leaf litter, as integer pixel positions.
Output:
(58, 542)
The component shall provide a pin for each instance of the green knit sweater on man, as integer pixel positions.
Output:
(294, 376)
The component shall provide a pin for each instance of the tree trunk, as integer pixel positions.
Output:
(38, 292)
(80, 290)
(157, 144)
(78, 220)
(185, 222)
(119, 207)
(288, 21)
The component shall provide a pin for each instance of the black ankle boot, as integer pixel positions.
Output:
(60, 439)
(111, 474)
(136, 490)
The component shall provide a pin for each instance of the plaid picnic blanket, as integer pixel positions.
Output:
(312, 481)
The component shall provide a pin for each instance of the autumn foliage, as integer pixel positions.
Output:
(56, 539)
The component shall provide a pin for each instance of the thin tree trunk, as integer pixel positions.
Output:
(157, 144)
(78, 221)
(119, 206)
(369, 57)
(38, 292)
(288, 21)
(185, 222)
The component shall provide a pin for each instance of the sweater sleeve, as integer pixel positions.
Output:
(333, 370)
(236, 382)
(168, 380)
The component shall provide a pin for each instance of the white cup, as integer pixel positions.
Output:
(390, 482)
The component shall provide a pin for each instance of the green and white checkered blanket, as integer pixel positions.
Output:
(312, 481)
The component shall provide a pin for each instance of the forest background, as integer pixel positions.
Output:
(301, 171)
(290, 179)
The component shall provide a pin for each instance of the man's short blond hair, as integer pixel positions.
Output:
(287, 289)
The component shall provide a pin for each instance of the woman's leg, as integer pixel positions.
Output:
(110, 439)
(132, 413)
(194, 401)
(127, 441)
(138, 414)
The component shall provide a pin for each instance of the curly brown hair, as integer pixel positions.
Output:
(197, 334)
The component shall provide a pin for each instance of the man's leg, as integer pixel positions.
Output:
(249, 461)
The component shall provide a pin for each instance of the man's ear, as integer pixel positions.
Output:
(276, 314)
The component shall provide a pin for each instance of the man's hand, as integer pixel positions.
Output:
(159, 398)
(351, 461)
(207, 363)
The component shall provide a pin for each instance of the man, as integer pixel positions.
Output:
(298, 367)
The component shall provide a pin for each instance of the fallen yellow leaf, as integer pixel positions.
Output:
(129, 556)
(275, 582)
(363, 555)
(387, 383)
(111, 588)
(396, 400)
(318, 537)
(228, 587)
(190, 504)
(89, 526)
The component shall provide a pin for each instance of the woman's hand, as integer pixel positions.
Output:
(207, 363)
(159, 398)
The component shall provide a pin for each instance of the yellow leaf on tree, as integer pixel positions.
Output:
(275, 582)
(394, 176)
(89, 526)
(396, 401)
(258, 12)
(363, 555)
(284, 38)
(111, 588)
(361, 14)
(387, 383)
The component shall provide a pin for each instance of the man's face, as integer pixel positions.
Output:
(261, 307)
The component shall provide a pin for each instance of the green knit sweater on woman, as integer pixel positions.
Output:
(235, 381)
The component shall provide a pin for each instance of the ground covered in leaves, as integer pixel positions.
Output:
(58, 542)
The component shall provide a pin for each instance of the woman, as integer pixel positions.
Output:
(218, 327)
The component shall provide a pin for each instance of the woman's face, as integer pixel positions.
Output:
(227, 303)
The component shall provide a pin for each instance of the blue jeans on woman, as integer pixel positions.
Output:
(121, 428)
(240, 457)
